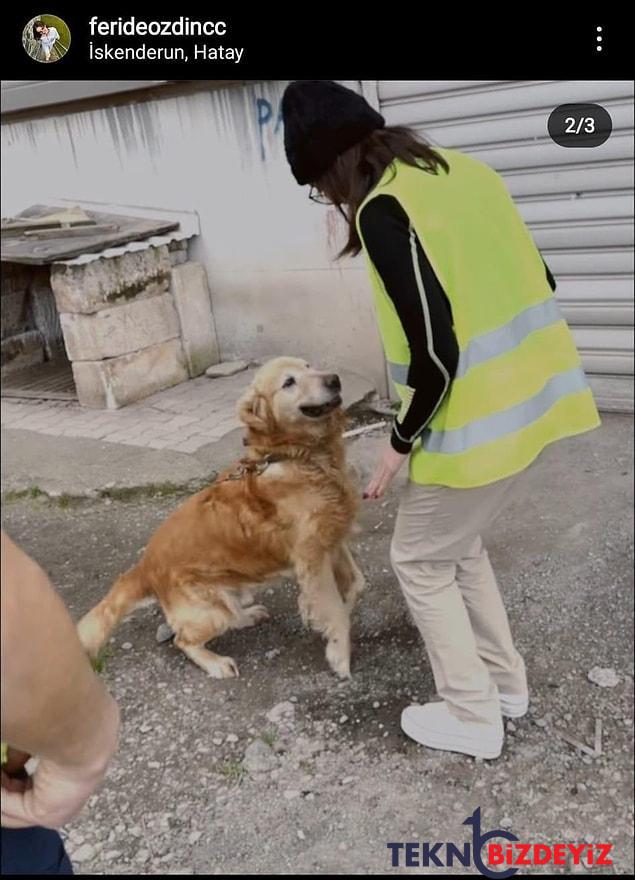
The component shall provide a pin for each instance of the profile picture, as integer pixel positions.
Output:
(46, 38)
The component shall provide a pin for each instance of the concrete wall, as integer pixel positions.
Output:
(267, 249)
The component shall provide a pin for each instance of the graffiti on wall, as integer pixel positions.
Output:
(269, 121)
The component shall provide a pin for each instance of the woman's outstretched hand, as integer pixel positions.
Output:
(387, 469)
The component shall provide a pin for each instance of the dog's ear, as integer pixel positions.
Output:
(253, 410)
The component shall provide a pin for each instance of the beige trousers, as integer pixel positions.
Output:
(447, 580)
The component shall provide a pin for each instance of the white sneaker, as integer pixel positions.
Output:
(435, 726)
(513, 706)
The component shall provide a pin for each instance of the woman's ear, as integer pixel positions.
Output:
(253, 410)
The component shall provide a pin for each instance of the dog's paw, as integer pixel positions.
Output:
(222, 667)
(255, 614)
(91, 634)
(338, 659)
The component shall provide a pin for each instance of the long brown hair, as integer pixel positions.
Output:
(353, 174)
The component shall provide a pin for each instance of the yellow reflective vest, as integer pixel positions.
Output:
(519, 383)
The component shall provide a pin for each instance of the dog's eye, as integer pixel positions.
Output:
(288, 382)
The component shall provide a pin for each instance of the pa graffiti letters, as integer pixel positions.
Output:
(269, 120)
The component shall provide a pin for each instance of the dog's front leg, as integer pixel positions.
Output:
(350, 580)
(321, 607)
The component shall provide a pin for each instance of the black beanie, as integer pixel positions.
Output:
(322, 120)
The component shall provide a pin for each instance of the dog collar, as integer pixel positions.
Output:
(250, 467)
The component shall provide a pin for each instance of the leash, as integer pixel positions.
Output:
(248, 467)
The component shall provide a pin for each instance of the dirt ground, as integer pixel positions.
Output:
(204, 782)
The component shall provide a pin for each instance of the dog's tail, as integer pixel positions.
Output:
(127, 592)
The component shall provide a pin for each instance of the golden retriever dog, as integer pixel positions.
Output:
(287, 507)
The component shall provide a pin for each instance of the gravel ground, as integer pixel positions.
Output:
(287, 770)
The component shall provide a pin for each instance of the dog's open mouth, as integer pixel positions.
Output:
(314, 412)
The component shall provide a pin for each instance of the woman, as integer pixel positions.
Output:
(46, 36)
(486, 369)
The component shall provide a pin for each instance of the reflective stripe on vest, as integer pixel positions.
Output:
(508, 420)
(496, 342)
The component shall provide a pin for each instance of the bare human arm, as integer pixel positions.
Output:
(53, 705)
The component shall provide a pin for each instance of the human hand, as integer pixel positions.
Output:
(55, 793)
(14, 775)
(387, 468)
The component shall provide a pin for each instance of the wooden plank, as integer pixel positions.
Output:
(26, 228)
(70, 231)
(66, 217)
(23, 249)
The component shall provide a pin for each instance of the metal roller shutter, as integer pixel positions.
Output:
(578, 202)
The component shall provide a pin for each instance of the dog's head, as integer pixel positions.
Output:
(287, 395)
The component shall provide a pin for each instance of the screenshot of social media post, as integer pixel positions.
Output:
(317, 442)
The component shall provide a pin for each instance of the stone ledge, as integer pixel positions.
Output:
(101, 284)
(116, 382)
(193, 304)
(116, 331)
